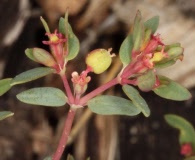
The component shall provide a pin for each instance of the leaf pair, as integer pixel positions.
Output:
(112, 105)
(46, 96)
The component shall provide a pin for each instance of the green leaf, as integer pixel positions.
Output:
(62, 26)
(112, 105)
(137, 100)
(70, 157)
(190, 158)
(138, 32)
(44, 57)
(5, 85)
(165, 64)
(171, 90)
(187, 132)
(147, 81)
(31, 75)
(45, 25)
(152, 23)
(48, 158)
(73, 45)
(29, 54)
(45, 96)
(5, 114)
(126, 50)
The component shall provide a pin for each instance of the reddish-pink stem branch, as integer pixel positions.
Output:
(68, 90)
(65, 134)
(98, 90)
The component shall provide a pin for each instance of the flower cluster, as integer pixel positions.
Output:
(148, 53)
(55, 59)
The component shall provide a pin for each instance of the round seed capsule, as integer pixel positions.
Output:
(99, 60)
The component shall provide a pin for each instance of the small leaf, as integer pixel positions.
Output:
(171, 90)
(126, 50)
(62, 26)
(152, 23)
(146, 38)
(146, 81)
(5, 114)
(45, 25)
(45, 96)
(31, 75)
(111, 105)
(5, 85)
(137, 100)
(138, 32)
(165, 64)
(187, 132)
(72, 41)
(29, 54)
(70, 157)
(167, 47)
(175, 52)
(44, 57)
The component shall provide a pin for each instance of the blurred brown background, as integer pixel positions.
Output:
(33, 132)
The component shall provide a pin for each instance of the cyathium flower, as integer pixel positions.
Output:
(57, 46)
(80, 82)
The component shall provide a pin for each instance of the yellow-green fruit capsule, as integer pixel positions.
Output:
(99, 60)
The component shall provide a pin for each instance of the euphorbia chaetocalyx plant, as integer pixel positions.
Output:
(141, 53)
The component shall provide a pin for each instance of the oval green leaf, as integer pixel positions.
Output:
(31, 75)
(171, 90)
(29, 54)
(187, 132)
(5, 85)
(44, 57)
(165, 64)
(147, 81)
(72, 41)
(152, 23)
(44, 96)
(137, 100)
(112, 105)
(126, 50)
(5, 114)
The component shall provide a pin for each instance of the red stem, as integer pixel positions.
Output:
(65, 134)
(97, 91)
(68, 90)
